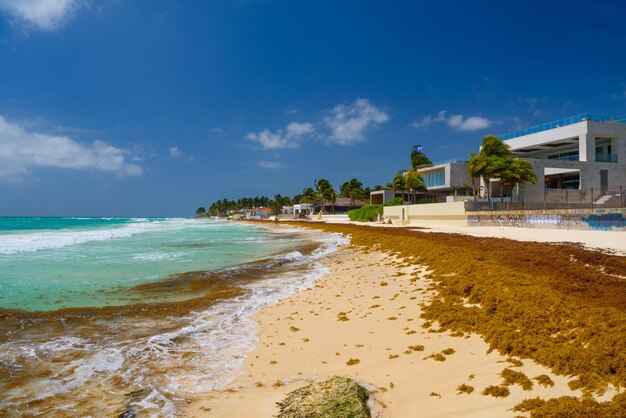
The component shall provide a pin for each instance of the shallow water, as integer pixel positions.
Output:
(147, 345)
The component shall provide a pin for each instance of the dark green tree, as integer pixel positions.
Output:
(419, 159)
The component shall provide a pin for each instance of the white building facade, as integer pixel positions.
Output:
(584, 152)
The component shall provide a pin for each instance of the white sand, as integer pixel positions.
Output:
(302, 339)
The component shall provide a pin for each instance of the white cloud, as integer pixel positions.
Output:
(272, 165)
(470, 123)
(456, 122)
(175, 152)
(289, 138)
(348, 123)
(429, 120)
(21, 151)
(41, 14)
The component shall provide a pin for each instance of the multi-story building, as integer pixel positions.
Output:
(580, 152)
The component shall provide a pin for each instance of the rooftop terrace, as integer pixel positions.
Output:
(562, 122)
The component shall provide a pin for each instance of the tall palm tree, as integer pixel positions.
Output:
(413, 181)
(352, 189)
(398, 184)
(475, 167)
(325, 192)
(308, 195)
(490, 162)
(519, 171)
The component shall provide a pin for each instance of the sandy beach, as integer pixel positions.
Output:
(364, 320)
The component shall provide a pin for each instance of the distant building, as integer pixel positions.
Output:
(448, 177)
(260, 213)
(340, 205)
(444, 179)
(380, 197)
(302, 209)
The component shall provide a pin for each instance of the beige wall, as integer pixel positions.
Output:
(452, 211)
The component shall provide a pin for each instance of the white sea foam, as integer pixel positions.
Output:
(206, 352)
(15, 243)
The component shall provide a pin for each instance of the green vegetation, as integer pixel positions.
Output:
(495, 160)
(325, 192)
(366, 213)
(322, 193)
(353, 189)
(419, 159)
(335, 397)
(396, 201)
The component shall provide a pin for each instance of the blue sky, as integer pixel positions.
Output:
(152, 108)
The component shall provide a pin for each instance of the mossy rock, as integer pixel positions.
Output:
(335, 397)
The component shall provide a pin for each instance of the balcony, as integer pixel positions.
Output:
(606, 158)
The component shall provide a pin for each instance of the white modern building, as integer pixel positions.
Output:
(447, 178)
(580, 152)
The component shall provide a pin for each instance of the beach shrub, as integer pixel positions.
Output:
(366, 213)
(335, 397)
(396, 201)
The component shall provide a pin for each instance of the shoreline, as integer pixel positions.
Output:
(369, 308)
(149, 355)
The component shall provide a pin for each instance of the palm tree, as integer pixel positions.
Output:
(352, 189)
(413, 181)
(308, 195)
(398, 184)
(325, 192)
(490, 162)
(519, 171)
(201, 211)
(475, 168)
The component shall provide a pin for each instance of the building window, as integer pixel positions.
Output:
(569, 156)
(438, 178)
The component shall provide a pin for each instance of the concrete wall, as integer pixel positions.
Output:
(450, 213)
(586, 219)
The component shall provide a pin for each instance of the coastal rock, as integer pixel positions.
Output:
(335, 397)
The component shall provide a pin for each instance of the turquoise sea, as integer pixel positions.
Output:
(53, 263)
(106, 316)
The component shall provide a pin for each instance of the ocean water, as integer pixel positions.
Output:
(111, 315)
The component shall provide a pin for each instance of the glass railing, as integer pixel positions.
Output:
(564, 157)
(562, 122)
(606, 158)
